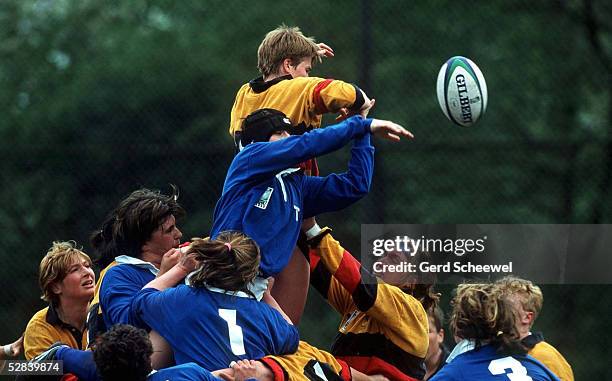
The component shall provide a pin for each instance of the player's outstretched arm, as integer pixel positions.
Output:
(272, 157)
(383, 128)
(388, 130)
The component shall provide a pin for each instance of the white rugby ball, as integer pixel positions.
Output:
(462, 91)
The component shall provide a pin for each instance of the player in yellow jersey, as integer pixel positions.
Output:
(527, 300)
(285, 58)
(384, 327)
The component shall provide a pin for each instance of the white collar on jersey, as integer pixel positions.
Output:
(240, 294)
(258, 286)
(279, 177)
(127, 260)
(461, 347)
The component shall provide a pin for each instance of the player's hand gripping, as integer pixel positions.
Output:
(187, 261)
(368, 103)
(170, 258)
(245, 369)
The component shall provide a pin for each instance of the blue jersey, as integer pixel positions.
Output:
(82, 365)
(184, 372)
(119, 286)
(485, 364)
(266, 197)
(213, 328)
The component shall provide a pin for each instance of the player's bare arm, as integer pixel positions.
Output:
(13, 349)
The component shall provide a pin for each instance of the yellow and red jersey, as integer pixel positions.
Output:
(383, 330)
(302, 99)
(305, 363)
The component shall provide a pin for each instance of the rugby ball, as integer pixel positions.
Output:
(462, 91)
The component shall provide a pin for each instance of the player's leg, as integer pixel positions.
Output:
(162, 356)
(291, 286)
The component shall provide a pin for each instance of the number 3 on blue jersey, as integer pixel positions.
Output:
(235, 331)
(518, 371)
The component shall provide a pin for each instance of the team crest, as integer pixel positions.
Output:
(265, 199)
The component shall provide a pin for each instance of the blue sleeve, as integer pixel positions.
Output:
(285, 337)
(188, 371)
(79, 363)
(119, 287)
(337, 191)
(149, 306)
(265, 158)
(445, 374)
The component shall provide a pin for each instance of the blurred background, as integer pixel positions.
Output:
(98, 99)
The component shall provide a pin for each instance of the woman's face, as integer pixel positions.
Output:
(166, 237)
(435, 338)
(79, 283)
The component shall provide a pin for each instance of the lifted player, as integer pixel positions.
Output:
(285, 58)
(267, 197)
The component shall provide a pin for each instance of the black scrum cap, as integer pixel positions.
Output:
(261, 124)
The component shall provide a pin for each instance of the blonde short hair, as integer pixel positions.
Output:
(55, 265)
(281, 43)
(529, 295)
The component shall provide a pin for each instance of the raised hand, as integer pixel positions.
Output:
(367, 106)
(170, 258)
(188, 261)
(324, 51)
(389, 130)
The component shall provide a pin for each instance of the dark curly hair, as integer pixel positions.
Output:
(132, 223)
(123, 353)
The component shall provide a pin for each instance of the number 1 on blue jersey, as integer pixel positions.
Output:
(235, 331)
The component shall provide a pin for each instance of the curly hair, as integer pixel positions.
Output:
(123, 353)
(524, 292)
(55, 265)
(229, 262)
(132, 223)
(483, 314)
